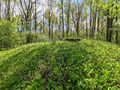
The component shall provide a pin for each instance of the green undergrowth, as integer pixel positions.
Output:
(86, 65)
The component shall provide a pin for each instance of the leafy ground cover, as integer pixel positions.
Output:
(86, 65)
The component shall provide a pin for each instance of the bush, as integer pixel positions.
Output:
(18, 39)
(9, 38)
(42, 38)
(87, 65)
(5, 34)
(36, 37)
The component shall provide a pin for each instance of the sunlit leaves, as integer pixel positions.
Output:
(111, 6)
(86, 65)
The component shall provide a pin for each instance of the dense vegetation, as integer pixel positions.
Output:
(86, 65)
(71, 55)
(29, 21)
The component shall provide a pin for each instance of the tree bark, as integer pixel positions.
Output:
(87, 34)
(98, 21)
(0, 10)
(117, 33)
(8, 10)
(90, 18)
(109, 31)
(94, 23)
(43, 24)
(62, 19)
(35, 16)
(68, 18)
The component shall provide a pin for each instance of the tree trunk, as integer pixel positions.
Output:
(59, 26)
(62, 19)
(98, 21)
(78, 22)
(87, 29)
(116, 37)
(68, 19)
(35, 17)
(49, 24)
(43, 24)
(0, 10)
(8, 10)
(109, 32)
(94, 23)
(117, 33)
(50, 10)
(90, 18)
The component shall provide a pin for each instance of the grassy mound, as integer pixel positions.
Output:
(87, 65)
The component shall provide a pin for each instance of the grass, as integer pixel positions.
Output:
(86, 65)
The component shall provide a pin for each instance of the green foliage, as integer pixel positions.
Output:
(109, 6)
(5, 33)
(42, 38)
(9, 38)
(18, 39)
(86, 65)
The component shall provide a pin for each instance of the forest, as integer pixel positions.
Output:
(59, 44)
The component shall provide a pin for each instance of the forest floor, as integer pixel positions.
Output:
(63, 65)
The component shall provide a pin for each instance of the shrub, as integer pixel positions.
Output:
(18, 39)
(42, 38)
(9, 37)
(5, 34)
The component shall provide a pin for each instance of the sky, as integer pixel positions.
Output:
(42, 6)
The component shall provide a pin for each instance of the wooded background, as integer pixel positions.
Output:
(28, 21)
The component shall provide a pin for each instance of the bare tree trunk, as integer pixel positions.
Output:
(35, 21)
(35, 16)
(109, 26)
(116, 37)
(43, 24)
(62, 19)
(8, 10)
(90, 18)
(111, 31)
(0, 10)
(94, 23)
(68, 18)
(49, 23)
(98, 21)
(87, 34)
(117, 33)
(78, 21)
(52, 31)
(59, 27)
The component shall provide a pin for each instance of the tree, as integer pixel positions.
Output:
(26, 13)
(0, 10)
(68, 17)
(77, 15)
(62, 4)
